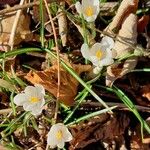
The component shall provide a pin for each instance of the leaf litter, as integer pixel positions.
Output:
(119, 130)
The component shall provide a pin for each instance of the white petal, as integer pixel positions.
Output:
(36, 111)
(31, 91)
(96, 3)
(20, 99)
(90, 19)
(106, 62)
(85, 51)
(28, 106)
(67, 136)
(55, 128)
(97, 70)
(97, 46)
(51, 140)
(109, 53)
(78, 7)
(86, 3)
(94, 60)
(61, 144)
(109, 42)
(36, 108)
(40, 89)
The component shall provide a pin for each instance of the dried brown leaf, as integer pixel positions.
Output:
(146, 91)
(142, 23)
(2, 148)
(101, 128)
(23, 32)
(68, 85)
(136, 140)
(126, 35)
(126, 7)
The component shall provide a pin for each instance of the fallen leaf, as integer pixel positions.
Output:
(68, 84)
(102, 127)
(126, 7)
(2, 148)
(142, 23)
(136, 140)
(146, 91)
(23, 32)
(126, 35)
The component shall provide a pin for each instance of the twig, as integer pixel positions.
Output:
(104, 7)
(5, 111)
(119, 106)
(62, 23)
(58, 59)
(17, 7)
(14, 27)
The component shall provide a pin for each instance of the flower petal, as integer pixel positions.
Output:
(31, 91)
(61, 144)
(94, 60)
(95, 3)
(78, 7)
(85, 51)
(109, 53)
(109, 42)
(90, 19)
(20, 99)
(27, 106)
(36, 112)
(97, 70)
(97, 46)
(86, 3)
(67, 136)
(51, 140)
(106, 62)
(40, 89)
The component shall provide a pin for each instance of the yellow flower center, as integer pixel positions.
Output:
(59, 135)
(99, 54)
(89, 11)
(34, 99)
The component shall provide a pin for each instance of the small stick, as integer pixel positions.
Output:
(62, 23)
(58, 59)
(14, 27)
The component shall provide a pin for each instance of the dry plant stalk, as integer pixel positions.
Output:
(62, 23)
(126, 7)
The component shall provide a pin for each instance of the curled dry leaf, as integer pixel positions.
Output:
(102, 127)
(142, 23)
(126, 35)
(136, 141)
(23, 32)
(146, 91)
(126, 7)
(68, 84)
(2, 148)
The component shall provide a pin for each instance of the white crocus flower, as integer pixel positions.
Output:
(99, 54)
(32, 99)
(89, 9)
(58, 135)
